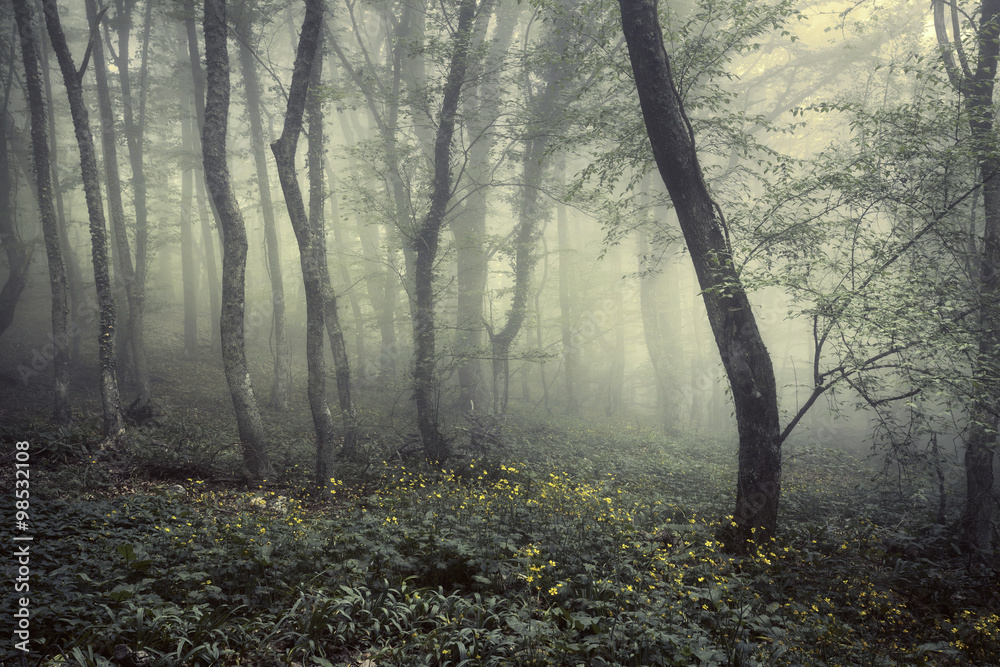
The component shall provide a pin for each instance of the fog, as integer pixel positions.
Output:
(814, 124)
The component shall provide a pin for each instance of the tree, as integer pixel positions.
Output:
(282, 361)
(321, 305)
(133, 338)
(113, 418)
(25, 16)
(427, 238)
(744, 356)
(234, 242)
(976, 86)
(17, 251)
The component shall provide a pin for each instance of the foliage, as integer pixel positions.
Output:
(584, 544)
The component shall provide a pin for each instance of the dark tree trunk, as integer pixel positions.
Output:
(977, 88)
(25, 16)
(234, 243)
(744, 356)
(282, 354)
(133, 337)
(426, 243)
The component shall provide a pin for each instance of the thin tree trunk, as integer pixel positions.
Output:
(311, 238)
(18, 253)
(114, 423)
(317, 194)
(744, 356)
(533, 169)
(77, 302)
(570, 348)
(282, 354)
(427, 239)
(653, 328)
(345, 274)
(188, 270)
(25, 16)
(208, 240)
(234, 242)
(109, 143)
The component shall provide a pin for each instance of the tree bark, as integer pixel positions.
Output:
(17, 251)
(317, 221)
(425, 244)
(234, 243)
(133, 337)
(189, 274)
(25, 16)
(977, 88)
(309, 233)
(744, 356)
(113, 419)
(282, 353)
(201, 178)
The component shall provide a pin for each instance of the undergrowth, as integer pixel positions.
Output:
(572, 545)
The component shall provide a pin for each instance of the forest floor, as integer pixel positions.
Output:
(567, 542)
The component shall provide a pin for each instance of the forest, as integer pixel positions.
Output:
(499, 332)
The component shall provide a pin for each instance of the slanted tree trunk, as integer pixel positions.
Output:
(234, 243)
(310, 235)
(25, 16)
(133, 337)
(744, 356)
(114, 423)
(77, 302)
(282, 353)
(425, 244)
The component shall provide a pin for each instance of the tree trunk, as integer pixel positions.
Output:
(18, 253)
(77, 302)
(282, 354)
(425, 244)
(320, 304)
(653, 329)
(234, 243)
(570, 347)
(25, 16)
(317, 195)
(201, 179)
(744, 356)
(188, 269)
(977, 87)
(133, 337)
(539, 130)
(114, 423)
